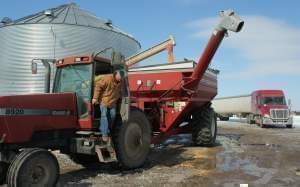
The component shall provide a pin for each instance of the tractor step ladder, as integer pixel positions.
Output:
(106, 153)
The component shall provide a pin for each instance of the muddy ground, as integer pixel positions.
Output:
(244, 154)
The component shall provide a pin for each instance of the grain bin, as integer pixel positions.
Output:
(53, 33)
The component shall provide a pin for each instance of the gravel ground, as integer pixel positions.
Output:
(244, 154)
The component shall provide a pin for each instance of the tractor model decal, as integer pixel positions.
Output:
(33, 112)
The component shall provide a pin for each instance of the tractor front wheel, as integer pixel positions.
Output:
(132, 140)
(204, 127)
(33, 167)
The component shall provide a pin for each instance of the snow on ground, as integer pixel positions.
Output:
(296, 121)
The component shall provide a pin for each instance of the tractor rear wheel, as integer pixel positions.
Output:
(205, 127)
(3, 172)
(132, 140)
(33, 167)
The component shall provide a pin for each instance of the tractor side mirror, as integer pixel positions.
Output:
(34, 67)
(117, 58)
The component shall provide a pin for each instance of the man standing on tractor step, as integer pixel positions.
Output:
(107, 92)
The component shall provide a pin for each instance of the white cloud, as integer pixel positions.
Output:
(269, 46)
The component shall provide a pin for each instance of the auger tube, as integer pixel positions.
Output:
(229, 21)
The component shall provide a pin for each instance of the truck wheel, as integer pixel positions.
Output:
(3, 172)
(289, 126)
(205, 127)
(222, 118)
(261, 123)
(33, 167)
(132, 140)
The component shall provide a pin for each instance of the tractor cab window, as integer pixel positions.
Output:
(75, 78)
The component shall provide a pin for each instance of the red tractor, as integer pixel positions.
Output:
(157, 101)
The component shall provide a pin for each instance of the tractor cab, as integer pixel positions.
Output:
(80, 74)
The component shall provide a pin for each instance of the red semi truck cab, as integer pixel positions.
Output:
(269, 107)
(263, 107)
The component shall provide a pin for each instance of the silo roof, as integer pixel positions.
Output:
(70, 14)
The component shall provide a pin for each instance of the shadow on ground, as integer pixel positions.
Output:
(168, 154)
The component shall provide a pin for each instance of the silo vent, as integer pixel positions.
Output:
(108, 22)
(6, 20)
(49, 13)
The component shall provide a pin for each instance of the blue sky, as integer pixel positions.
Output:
(265, 55)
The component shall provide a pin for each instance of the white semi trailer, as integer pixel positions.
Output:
(228, 106)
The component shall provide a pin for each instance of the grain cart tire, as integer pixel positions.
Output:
(3, 172)
(33, 167)
(205, 127)
(132, 140)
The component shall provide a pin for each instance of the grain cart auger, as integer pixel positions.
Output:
(157, 101)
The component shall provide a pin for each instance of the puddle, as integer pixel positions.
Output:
(231, 158)
(181, 139)
(234, 158)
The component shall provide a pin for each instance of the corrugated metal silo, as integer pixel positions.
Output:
(54, 33)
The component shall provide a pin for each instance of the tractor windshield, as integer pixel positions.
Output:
(75, 78)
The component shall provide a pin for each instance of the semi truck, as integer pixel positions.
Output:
(155, 103)
(262, 107)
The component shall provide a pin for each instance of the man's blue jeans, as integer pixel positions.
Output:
(108, 116)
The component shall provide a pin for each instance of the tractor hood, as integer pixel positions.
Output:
(22, 115)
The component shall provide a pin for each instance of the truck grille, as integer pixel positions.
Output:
(279, 113)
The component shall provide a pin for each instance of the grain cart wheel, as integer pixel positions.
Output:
(132, 140)
(205, 127)
(33, 167)
(3, 172)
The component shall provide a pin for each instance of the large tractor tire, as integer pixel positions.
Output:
(33, 167)
(3, 172)
(204, 127)
(132, 140)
